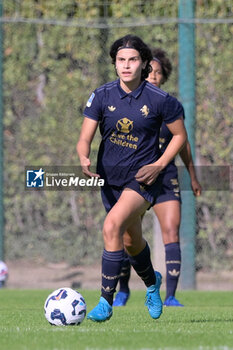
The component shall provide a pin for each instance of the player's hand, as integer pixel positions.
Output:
(148, 174)
(196, 187)
(85, 164)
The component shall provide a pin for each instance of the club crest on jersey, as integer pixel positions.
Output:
(124, 125)
(111, 108)
(145, 111)
(91, 98)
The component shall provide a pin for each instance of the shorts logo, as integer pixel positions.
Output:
(174, 182)
(124, 125)
(35, 178)
(91, 98)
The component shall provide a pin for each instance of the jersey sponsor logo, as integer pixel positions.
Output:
(123, 137)
(145, 111)
(91, 98)
(128, 141)
(111, 108)
(124, 125)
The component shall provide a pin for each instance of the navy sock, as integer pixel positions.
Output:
(143, 266)
(111, 269)
(125, 274)
(173, 262)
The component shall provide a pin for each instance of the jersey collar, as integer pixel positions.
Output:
(136, 93)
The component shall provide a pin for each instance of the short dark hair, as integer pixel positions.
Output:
(160, 56)
(134, 42)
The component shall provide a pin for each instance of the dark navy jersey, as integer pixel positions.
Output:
(165, 137)
(130, 127)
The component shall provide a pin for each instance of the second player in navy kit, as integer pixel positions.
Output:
(129, 112)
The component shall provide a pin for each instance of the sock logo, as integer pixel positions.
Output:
(110, 277)
(174, 273)
(108, 289)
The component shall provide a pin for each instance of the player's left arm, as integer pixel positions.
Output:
(178, 140)
(148, 173)
(186, 156)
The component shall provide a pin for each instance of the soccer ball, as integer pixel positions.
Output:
(3, 273)
(64, 307)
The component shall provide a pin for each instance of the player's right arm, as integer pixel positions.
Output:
(84, 145)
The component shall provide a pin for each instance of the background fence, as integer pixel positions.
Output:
(55, 54)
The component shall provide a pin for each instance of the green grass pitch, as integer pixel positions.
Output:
(206, 322)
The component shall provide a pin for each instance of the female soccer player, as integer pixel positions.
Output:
(129, 112)
(167, 207)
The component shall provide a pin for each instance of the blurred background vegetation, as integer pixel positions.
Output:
(55, 54)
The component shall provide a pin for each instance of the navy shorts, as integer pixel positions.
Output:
(111, 194)
(170, 186)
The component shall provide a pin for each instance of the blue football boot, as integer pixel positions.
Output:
(153, 299)
(121, 299)
(172, 301)
(102, 312)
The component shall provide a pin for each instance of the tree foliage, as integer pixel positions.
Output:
(50, 71)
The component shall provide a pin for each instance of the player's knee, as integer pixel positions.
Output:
(171, 234)
(111, 229)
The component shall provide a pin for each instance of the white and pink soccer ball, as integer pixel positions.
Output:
(64, 307)
(3, 273)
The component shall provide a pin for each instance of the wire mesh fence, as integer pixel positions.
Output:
(55, 55)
